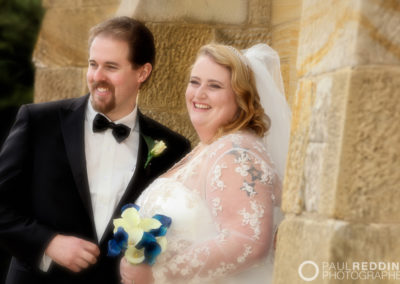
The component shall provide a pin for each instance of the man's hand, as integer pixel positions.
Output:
(73, 253)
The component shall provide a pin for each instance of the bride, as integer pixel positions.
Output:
(224, 196)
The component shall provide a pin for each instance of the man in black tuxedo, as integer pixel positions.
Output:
(67, 167)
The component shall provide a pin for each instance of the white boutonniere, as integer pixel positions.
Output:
(156, 148)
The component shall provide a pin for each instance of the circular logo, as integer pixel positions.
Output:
(301, 270)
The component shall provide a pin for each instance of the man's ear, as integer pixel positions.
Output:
(144, 72)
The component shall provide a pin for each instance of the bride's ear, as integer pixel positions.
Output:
(144, 72)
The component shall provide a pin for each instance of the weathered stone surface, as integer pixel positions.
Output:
(222, 11)
(243, 38)
(302, 239)
(285, 41)
(343, 157)
(368, 186)
(179, 122)
(293, 189)
(378, 41)
(323, 47)
(329, 242)
(316, 139)
(176, 47)
(260, 12)
(285, 11)
(77, 3)
(371, 243)
(59, 83)
(64, 35)
(367, 29)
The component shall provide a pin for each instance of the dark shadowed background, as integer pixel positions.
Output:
(19, 25)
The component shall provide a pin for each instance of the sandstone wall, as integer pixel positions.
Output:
(341, 194)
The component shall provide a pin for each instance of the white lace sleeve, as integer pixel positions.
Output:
(239, 193)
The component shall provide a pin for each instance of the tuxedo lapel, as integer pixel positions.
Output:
(72, 119)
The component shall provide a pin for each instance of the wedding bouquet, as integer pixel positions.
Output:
(140, 239)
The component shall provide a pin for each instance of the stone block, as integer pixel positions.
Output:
(378, 40)
(243, 38)
(369, 178)
(284, 39)
(316, 140)
(335, 34)
(64, 35)
(59, 83)
(335, 247)
(285, 11)
(177, 47)
(298, 242)
(293, 187)
(199, 11)
(177, 121)
(328, 37)
(260, 12)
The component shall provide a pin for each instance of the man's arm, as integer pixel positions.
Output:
(20, 234)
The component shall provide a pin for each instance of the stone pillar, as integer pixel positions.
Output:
(341, 193)
(285, 25)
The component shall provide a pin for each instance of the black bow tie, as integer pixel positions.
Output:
(120, 131)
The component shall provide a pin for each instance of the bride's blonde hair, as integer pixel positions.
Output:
(250, 114)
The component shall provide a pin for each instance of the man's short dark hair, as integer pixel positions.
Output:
(139, 38)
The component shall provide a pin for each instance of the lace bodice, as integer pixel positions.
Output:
(221, 200)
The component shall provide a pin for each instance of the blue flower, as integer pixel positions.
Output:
(118, 243)
(159, 232)
(165, 220)
(151, 247)
(129, 205)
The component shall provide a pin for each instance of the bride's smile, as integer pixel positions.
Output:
(210, 99)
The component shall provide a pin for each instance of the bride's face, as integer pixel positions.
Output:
(210, 99)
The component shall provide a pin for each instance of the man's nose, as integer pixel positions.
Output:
(98, 75)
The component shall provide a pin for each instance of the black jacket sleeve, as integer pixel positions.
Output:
(20, 234)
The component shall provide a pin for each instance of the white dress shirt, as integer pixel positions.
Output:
(110, 166)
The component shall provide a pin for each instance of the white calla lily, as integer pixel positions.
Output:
(134, 255)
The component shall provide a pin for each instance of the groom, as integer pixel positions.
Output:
(68, 166)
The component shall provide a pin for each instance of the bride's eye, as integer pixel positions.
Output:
(194, 82)
(215, 86)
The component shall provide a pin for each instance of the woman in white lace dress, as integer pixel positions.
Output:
(221, 196)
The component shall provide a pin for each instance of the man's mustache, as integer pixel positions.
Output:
(102, 84)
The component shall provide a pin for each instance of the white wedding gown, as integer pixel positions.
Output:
(221, 199)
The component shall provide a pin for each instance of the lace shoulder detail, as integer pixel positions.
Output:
(247, 154)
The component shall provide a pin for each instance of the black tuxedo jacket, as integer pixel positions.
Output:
(44, 188)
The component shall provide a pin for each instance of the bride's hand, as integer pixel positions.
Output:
(137, 274)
